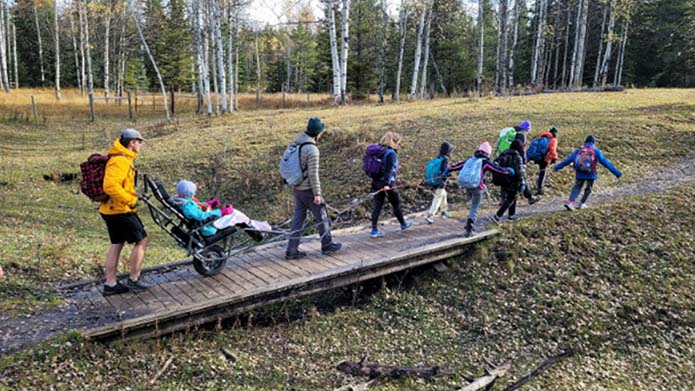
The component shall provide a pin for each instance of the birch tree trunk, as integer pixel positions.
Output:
(90, 78)
(14, 54)
(481, 46)
(236, 64)
(345, 35)
(512, 49)
(439, 76)
(4, 80)
(75, 51)
(599, 63)
(83, 63)
(335, 61)
(230, 57)
(618, 78)
(609, 46)
(505, 48)
(213, 64)
(563, 81)
(149, 54)
(121, 52)
(402, 23)
(38, 35)
(107, 39)
(220, 53)
(382, 54)
(579, 74)
(538, 51)
(502, 24)
(556, 29)
(426, 54)
(258, 75)
(203, 81)
(418, 52)
(574, 66)
(56, 41)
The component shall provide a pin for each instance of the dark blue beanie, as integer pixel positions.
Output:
(590, 139)
(314, 127)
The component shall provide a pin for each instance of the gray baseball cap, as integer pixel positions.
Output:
(131, 133)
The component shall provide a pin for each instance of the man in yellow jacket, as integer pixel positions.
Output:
(120, 213)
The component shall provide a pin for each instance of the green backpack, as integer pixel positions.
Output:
(504, 142)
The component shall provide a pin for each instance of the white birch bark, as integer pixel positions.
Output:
(83, 62)
(563, 78)
(56, 41)
(149, 54)
(198, 43)
(501, 22)
(538, 51)
(345, 36)
(236, 64)
(618, 78)
(574, 67)
(505, 47)
(512, 49)
(88, 51)
(258, 75)
(581, 45)
(230, 57)
(597, 69)
(335, 61)
(14, 54)
(4, 80)
(481, 46)
(382, 54)
(121, 52)
(609, 46)
(40, 42)
(210, 54)
(107, 39)
(220, 54)
(418, 52)
(402, 23)
(426, 54)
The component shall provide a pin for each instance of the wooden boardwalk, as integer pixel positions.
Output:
(182, 299)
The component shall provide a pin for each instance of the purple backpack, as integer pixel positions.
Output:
(373, 161)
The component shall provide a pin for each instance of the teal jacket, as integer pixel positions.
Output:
(192, 211)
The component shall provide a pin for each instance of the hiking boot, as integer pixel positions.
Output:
(583, 206)
(569, 205)
(468, 232)
(137, 285)
(376, 233)
(539, 193)
(532, 200)
(115, 290)
(495, 219)
(445, 215)
(331, 248)
(513, 218)
(406, 225)
(289, 255)
(429, 219)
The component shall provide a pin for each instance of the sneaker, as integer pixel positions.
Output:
(429, 219)
(569, 205)
(467, 233)
(406, 225)
(583, 206)
(289, 255)
(331, 248)
(513, 218)
(532, 200)
(495, 219)
(376, 233)
(115, 290)
(446, 215)
(138, 285)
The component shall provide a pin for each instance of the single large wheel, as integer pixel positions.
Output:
(210, 261)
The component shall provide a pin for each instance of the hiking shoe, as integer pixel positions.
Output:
(532, 200)
(331, 248)
(289, 255)
(583, 206)
(138, 285)
(569, 205)
(446, 215)
(495, 219)
(429, 219)
(115, 290)
(513, 218)
(406, 225)
(539, 193)
(376, 233)
(467, 233)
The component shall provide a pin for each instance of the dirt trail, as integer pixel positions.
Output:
(24, 331)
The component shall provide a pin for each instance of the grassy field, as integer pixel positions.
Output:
(618, 286)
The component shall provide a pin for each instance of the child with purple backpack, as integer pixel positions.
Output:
(585, 161)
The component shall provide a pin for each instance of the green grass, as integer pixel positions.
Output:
(614, 282)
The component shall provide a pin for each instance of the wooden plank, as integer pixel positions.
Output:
(293, 270)
(269, 261)
(241, 269)
(165, 293)
(260, 269)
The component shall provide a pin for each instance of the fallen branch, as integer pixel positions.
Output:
(545, 365)
(161, 371)
(488, 379)
(374, 371)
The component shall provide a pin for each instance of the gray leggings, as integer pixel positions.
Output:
(578, 188)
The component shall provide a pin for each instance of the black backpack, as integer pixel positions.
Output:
(504, 160)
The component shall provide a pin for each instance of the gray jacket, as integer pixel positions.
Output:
(309, 157)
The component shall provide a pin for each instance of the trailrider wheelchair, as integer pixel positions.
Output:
(209, 253)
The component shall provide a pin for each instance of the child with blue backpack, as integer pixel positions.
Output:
(472, 178)
(435, 177)
(585, 160)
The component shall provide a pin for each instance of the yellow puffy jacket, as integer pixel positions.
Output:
(119, 181)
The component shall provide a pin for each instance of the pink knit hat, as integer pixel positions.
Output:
(485, 147)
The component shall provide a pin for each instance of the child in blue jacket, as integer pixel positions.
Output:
(585, 161)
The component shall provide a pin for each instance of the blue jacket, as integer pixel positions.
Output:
(192, 211)
(600, 158)
(388, 178)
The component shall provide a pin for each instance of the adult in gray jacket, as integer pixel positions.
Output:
(307, 195)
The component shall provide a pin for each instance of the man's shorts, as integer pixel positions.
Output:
(125, 227)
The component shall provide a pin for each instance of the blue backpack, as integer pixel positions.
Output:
(373, 162)
(291, 165)
(471, 173)
(538, 149)
(433, 175)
